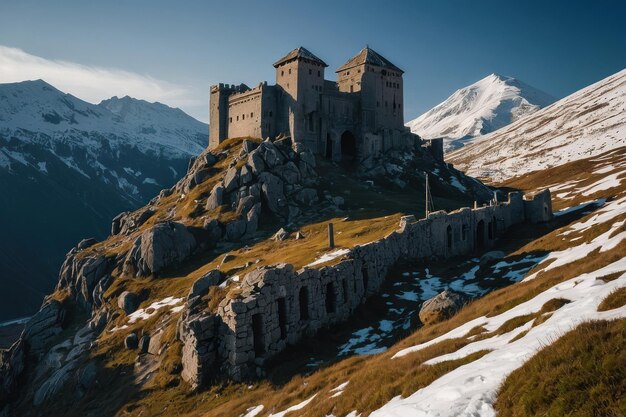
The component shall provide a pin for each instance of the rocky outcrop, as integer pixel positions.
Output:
(441, 307)
(161, 246)
(274, 175)
(43, 327)
(80, 274)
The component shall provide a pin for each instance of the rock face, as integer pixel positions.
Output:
(163, 245)
(441, 307)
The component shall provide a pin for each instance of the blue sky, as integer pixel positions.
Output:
(172, 51)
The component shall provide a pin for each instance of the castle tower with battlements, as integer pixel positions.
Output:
(359, 115)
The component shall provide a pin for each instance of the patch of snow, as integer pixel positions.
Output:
(605, 183)
(454, 181)
(329, 256)
(254, 411)
(146, 313)
(294, 407)
(409, 296)
(338, 390)
(471, 389)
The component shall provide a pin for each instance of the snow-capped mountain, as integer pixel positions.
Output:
(481, 108)
(67, 167)
(588, 122)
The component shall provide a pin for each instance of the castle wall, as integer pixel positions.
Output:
(271, 311)
(244, 114)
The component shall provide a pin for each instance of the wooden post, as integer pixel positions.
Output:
(331, 236)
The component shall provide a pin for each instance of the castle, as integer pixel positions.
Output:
(359, 115)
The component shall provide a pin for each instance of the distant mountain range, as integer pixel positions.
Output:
(586, 123)
(67, 167)
(481, 108)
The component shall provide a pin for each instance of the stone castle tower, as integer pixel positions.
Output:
(359, 115)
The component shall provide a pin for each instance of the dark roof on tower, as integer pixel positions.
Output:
(300, 52)
(368, 56)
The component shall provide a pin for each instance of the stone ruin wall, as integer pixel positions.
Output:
(279, 306)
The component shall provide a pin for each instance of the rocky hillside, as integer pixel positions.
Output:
(67, 167)
(113, 337)
(586, 123)
(479, 109)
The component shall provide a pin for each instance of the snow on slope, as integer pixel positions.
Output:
(481, 108)
(471, 389)
(37, 106)
(118, 140)
(588, 122)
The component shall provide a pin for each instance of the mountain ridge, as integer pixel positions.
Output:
(588, 122)
(67, 167)
(482, 107)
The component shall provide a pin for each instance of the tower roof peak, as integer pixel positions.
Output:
(368, 56)
(299, 53)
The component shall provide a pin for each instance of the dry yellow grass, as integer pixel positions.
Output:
(581, 374)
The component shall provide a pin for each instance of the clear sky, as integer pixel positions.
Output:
(173, 50)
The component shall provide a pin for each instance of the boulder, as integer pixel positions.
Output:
(201, 286)
(235, 229)
(272, 156)
(154, 344)
(253, 217)
(231, 179)
(245, 204)
(489, 257)
(118, 223)
(85, 243)
(245, 175)
(255, 161)
(248, 145)
(306, 196)
(216, 198)
(289, 173)
(131, 341)
(163, 245)
(441, 307)
(128, 302)
(272, 191)
(214, 231)
(144, 343)
(201, 175)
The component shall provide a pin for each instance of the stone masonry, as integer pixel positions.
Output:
(278, 306)
(359, 115)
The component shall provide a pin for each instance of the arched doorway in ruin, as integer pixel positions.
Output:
(348, 147)
(480, 235)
